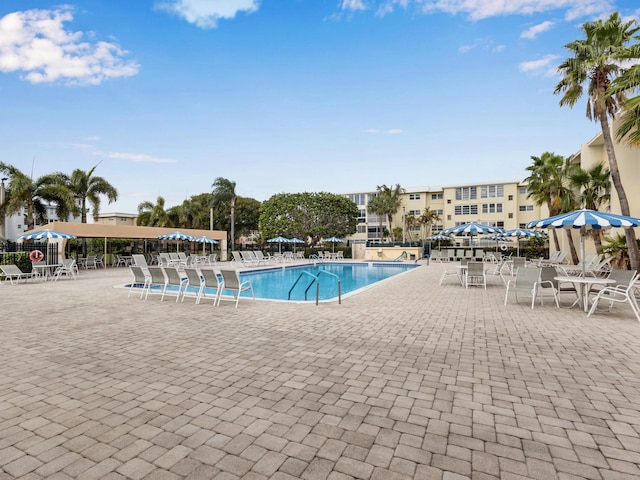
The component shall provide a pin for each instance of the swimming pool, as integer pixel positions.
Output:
(276, 283)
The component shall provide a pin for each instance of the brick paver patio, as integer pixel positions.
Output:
(407, 380)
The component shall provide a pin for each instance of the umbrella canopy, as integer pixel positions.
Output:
(439, 237)
(523, 233)
(45, 235)
(471, 229)
(279, 240)
(204, 240)
(584, 220)
(295, 241)
(177, 235)
(333, 241)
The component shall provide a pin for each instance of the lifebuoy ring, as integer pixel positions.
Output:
(503, 247)
(36, 256)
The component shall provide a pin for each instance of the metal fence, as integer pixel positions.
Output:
(18, 253)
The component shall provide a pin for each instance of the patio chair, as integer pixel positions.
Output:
(211, 282)
(548, 282)
(164, 260)
(516, 263)
(100, 261)
(158, 278)
(232, 283)
(68, 268)
(140, 279)
(475, 275)
(527, 281)
(262, 258)
(248, 258)
(194, 282)
(496, 270)
(90, 262)
(139, 261)
(236, 258)
(12, 272)
(175, 280)
(212, 259)
(449, 272)
(620, 292)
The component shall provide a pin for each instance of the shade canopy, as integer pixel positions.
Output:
(523, 233)
(177, 235)
(205, 239)
(333, 240)
(471, 229)
(439, 237)
(278, 240)
(45, 235)
(584, 220)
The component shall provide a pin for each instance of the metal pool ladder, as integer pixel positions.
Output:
(315, 279)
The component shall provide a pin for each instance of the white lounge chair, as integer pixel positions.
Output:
(194, 282)
(173, 279)
(158, 278)
(211, 282)
(527, 281)
(12, 272)
(232, 283)
(475, 275)
(620, 292)
(140, 279)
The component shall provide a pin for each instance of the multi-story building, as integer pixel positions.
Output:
(117, 219)
(499, 204)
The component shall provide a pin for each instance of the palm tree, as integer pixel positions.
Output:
(594, 187)
(224, 191)
(391, 199)
(377, 206)
(35, 195)
(548, 184)
(427, 219)
(596, 61)
(411, 221)
(86, 187)
(153, 215)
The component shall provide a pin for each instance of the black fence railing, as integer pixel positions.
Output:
(18, 253)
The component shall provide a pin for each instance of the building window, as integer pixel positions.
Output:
(526, 208)
(414, 196)
(523, 191)
(436, 228)
(439, 212)
(523, 225)
(436, 196)
(492, 191)
(448, 217)
(358, 198)
(510, 215)
(510, 197)
(123, 219)
(449, 201)
(362, 229)
(415, 213)
(491, 208)
(466, 210)
(466, 193)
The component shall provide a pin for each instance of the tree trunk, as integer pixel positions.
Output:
(597, 240)
(556, 242)
(632, 244)
(572, 248)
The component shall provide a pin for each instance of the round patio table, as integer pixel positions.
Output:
(583, 286)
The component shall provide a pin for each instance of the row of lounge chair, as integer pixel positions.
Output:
(40, 271)
(196, 282)
(254, 258)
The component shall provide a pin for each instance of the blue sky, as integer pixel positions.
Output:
(287, 95)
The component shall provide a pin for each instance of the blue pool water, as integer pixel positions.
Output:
(275, 283)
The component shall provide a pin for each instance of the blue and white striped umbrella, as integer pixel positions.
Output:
(471, 229)
(524, 233)
(205, 239)
(586, 219)
(439, 237)
(177, 235)
(45, 235)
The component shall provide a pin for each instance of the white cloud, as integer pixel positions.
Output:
(482, 43)
(534, 31)
(480, 9)
(35, 43)
(136, 157)
(543, 65)
(206, 13)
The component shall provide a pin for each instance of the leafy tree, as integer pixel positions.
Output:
(35, 195)
(596, 61)
(594, 187)
(307, 215)
(247, 215)
(85, 187)
(224, 195)
(629, 80)
(154, 215)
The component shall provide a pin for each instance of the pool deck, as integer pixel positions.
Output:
(406, 380)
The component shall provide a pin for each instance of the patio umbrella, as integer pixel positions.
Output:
(333, 241)
(177, 235)
(523, 233)
(584, 220)
(295, 241)
(279, 240)
(45, 235)
(438, 237)
(499, 237)
(204, 240)
(471, 229)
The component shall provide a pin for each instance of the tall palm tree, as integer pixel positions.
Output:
(224, 191)
(87, 187)
(427, 219)
(594, 187)
(377, 206)
(629, 125)
(548, 184)
(595, 61)
(35, 195)
(391, 199)
(411, 221)
(153, 215)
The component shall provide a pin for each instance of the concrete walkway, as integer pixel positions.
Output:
(407, 380)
